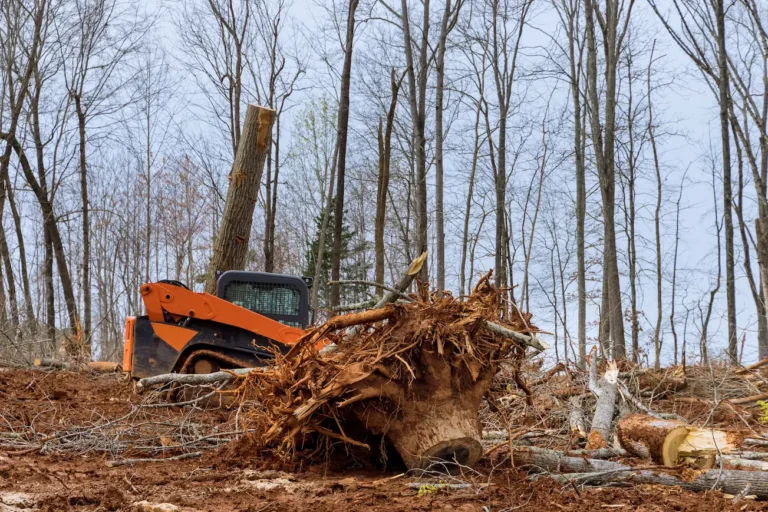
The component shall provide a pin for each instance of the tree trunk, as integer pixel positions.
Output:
(432, 432)
(656, 221)
(50, 293)
(23, 71)
(463, 285)
(385, 152)
(581, 196)
(439, 171)
(552, 460)
(270, 213)
(723, 101)
(605, 389)
(630, 217)
(28, 309)
(321, 241)
(231, 245)
(9, 276)
(605, 159)
(417, 102)
(85, 333)
(674, 271)
(341, 137)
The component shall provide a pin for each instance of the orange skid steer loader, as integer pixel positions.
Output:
(252, 315)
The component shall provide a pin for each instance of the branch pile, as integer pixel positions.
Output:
(412, 373)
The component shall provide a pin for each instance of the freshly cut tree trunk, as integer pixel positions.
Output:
(606, 391)
(231, 243)
(701, 441)
(671, 442)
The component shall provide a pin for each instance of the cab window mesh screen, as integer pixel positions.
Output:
(264, 298)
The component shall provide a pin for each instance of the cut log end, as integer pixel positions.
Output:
(672, 442)
(670, 448)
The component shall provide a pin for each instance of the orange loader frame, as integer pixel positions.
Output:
(168, 304)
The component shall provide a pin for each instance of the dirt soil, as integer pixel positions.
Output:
(82, 481)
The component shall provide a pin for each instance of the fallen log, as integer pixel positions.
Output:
(576, 419)
(553, 460)
(752, 367)
(670, 442)
(737, 462)
(728, 480)
(104, 366)
(602, 453)
(751, 455)
(749, 399)
(93, 366)
(196, 379)
(525, 339)
(662, 383)
(582, 471)
(605, 389)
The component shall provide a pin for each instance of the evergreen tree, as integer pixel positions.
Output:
(352, 266)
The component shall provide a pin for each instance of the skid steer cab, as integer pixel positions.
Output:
(252, 315)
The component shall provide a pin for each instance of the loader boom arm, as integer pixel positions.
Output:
(162, 299)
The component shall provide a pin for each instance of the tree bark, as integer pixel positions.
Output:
(271, 202)
(321, 241)
(382, 187)
(552, 460)
(341, 137)
(605, 389)
(417, 87)
(53, 230)
(50, 300)
(445, 27)
(604, 146)
(728, 481)
(656, 221)
(25, 285)
(581, 188)
(8, 266)
(723, 103)
(231, 244)
(463, 285)
(84, 336)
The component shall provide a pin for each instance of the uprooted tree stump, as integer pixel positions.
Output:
(671, 442)
(434, 418)
(414, 373)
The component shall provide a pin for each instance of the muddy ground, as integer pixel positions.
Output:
(75, 473)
